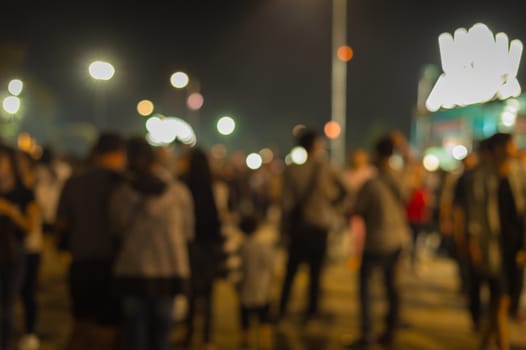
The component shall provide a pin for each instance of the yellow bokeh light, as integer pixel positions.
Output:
(145, 108)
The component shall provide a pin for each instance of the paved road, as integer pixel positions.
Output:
(433, 311)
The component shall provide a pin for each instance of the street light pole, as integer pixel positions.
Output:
(339, 79)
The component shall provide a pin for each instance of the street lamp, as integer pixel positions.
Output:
(100, 71)
(11, 104)
(179, 80)
(226, 125)
(15, 87)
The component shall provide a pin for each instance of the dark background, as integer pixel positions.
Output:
(266, 62)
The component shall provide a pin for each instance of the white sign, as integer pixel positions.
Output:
(478, 67)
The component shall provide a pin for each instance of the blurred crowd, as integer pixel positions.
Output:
(149, 230)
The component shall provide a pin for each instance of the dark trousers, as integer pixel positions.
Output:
(262, 313)
(310, 247)
(29, 291)
(147, 322)
(388, 263)
(474, 286)
(515, 276)
(10, 281)
(206, 297)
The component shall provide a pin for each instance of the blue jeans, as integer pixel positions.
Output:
(388, 264)
(10, 282)
(147, 322)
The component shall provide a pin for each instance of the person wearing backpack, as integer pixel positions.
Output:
(311, 192)
(19, 214)
(152, 219)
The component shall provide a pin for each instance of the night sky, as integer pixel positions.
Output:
(265, 62)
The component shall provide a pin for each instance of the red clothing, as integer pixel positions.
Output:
(417, 209)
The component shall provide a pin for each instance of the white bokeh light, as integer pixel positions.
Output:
(15, 87)
(226, 126)
(11, 104)
(431, 162)
(179, 80)
(477, 67)
(459, 152)
(254, 161)
(299, 155)
(100, 70)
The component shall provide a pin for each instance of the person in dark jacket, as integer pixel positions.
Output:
(205, 250)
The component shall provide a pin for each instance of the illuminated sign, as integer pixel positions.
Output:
(477, 67)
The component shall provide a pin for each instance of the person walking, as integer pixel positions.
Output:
(83, 230)
(311, 192)
(381, 202)
(152, 219)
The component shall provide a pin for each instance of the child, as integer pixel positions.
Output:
(257, 255)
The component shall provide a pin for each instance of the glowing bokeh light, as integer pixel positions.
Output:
(431, 162)
(267, 155)
(195, 101)
(254, 161)
(459, 152)
(299, 155)
(11, 104)
(296, 130)
(477, 67)
(332, 129)
(25, 141)
(163, 131)
(100, 70)
(145, 108)
(15, 87)
(226, 125)
(345, 53)
(179, 80)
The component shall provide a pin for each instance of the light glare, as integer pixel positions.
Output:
(15, 87)
(459, 152)
(145, 108)
(195, 101)
(100, 70)
(11, 104)
(299, 155)
(179, 80)
(254, 161)
(431, 162)
(226, 126)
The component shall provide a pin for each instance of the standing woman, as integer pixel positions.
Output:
(205, 250)
(18, 216)
(33, 251)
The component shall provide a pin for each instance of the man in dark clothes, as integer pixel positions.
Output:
(83, 226)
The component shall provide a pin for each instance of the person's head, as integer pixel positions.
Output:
(141, 156)
(249, 223)
(384, 150)
(312, 142)
(110, 151)
(358, 159)
(470, 161)
(9, 172)
(483, 150)
(502, 147)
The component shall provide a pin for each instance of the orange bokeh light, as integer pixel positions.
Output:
(333, 130)
(145, 108)
(345, 53)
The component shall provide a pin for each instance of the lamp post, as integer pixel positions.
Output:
(100, 71)
(339, 79)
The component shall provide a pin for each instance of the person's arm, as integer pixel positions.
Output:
(25, 220)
